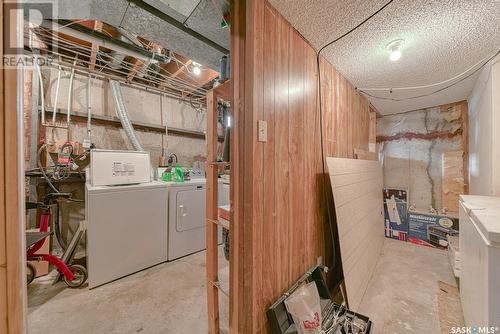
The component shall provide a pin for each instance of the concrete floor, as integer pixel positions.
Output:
(171, 297)
(168, 298)
(402, 296)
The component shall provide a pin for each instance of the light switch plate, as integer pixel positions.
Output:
(262, 131)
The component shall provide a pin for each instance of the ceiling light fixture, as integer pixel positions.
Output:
(394, 48)
(196, 68)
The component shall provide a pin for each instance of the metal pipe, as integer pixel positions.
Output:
(42, 94)
(50, 38)
(123, 116)
(70, 94)
(89, 108)
(57, 95)
(101, 42)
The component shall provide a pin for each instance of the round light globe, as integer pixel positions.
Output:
(395, 55)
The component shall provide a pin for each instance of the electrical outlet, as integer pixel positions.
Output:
(86, 143)
(319, 260)
(262, 131)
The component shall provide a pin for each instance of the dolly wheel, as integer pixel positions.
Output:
(80, 274)
(30, 273)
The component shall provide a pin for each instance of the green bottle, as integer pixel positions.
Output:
(167, 176)
(178, 173)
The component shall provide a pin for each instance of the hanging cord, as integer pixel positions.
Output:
(392, 89)
(42, 169)
(331, 211)
(48, 177)
(428, 86)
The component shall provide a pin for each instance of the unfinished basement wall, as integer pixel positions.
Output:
(283, 230)
(146, 107)
(425, 151)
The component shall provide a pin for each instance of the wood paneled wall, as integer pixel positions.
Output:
(279, 213)
(346, 114)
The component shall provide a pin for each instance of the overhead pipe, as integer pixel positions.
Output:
(70, 94)
(42, 94)
(89, 109)
(122, 114)
(57, 95)
(102, 40)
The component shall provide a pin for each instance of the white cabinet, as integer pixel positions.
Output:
(480, 260)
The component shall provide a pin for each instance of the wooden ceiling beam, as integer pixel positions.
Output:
(181, 69)
(95, 47)
(138, 63)
(202, 82)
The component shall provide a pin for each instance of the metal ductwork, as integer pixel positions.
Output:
(123, 115)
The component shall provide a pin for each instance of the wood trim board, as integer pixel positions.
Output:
(212, 263)
(12, 286)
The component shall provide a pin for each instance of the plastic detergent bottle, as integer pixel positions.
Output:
(178, 173)
(167, 176)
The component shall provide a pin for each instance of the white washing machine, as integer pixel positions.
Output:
(125, 215)
(186, 216)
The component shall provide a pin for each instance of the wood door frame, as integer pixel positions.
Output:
(246, 27)
(12, 285)
(12, 255)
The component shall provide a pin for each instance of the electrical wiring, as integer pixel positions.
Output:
(48, 177)
(42, 169)
(434, 92)
(482, 61)
(331, 212)
(47, 36)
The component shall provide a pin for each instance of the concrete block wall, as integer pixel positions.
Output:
(142, 106)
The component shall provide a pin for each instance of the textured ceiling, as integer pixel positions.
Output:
(183, 7)
(203, 16)
(443, 38)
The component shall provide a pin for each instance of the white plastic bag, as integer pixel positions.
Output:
(305, 309)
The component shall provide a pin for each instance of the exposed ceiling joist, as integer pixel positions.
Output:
(95, 47)
(199, 36)
(102, 49)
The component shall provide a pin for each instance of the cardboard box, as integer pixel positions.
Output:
(431, 230)
(42, 267)
(395, 213)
